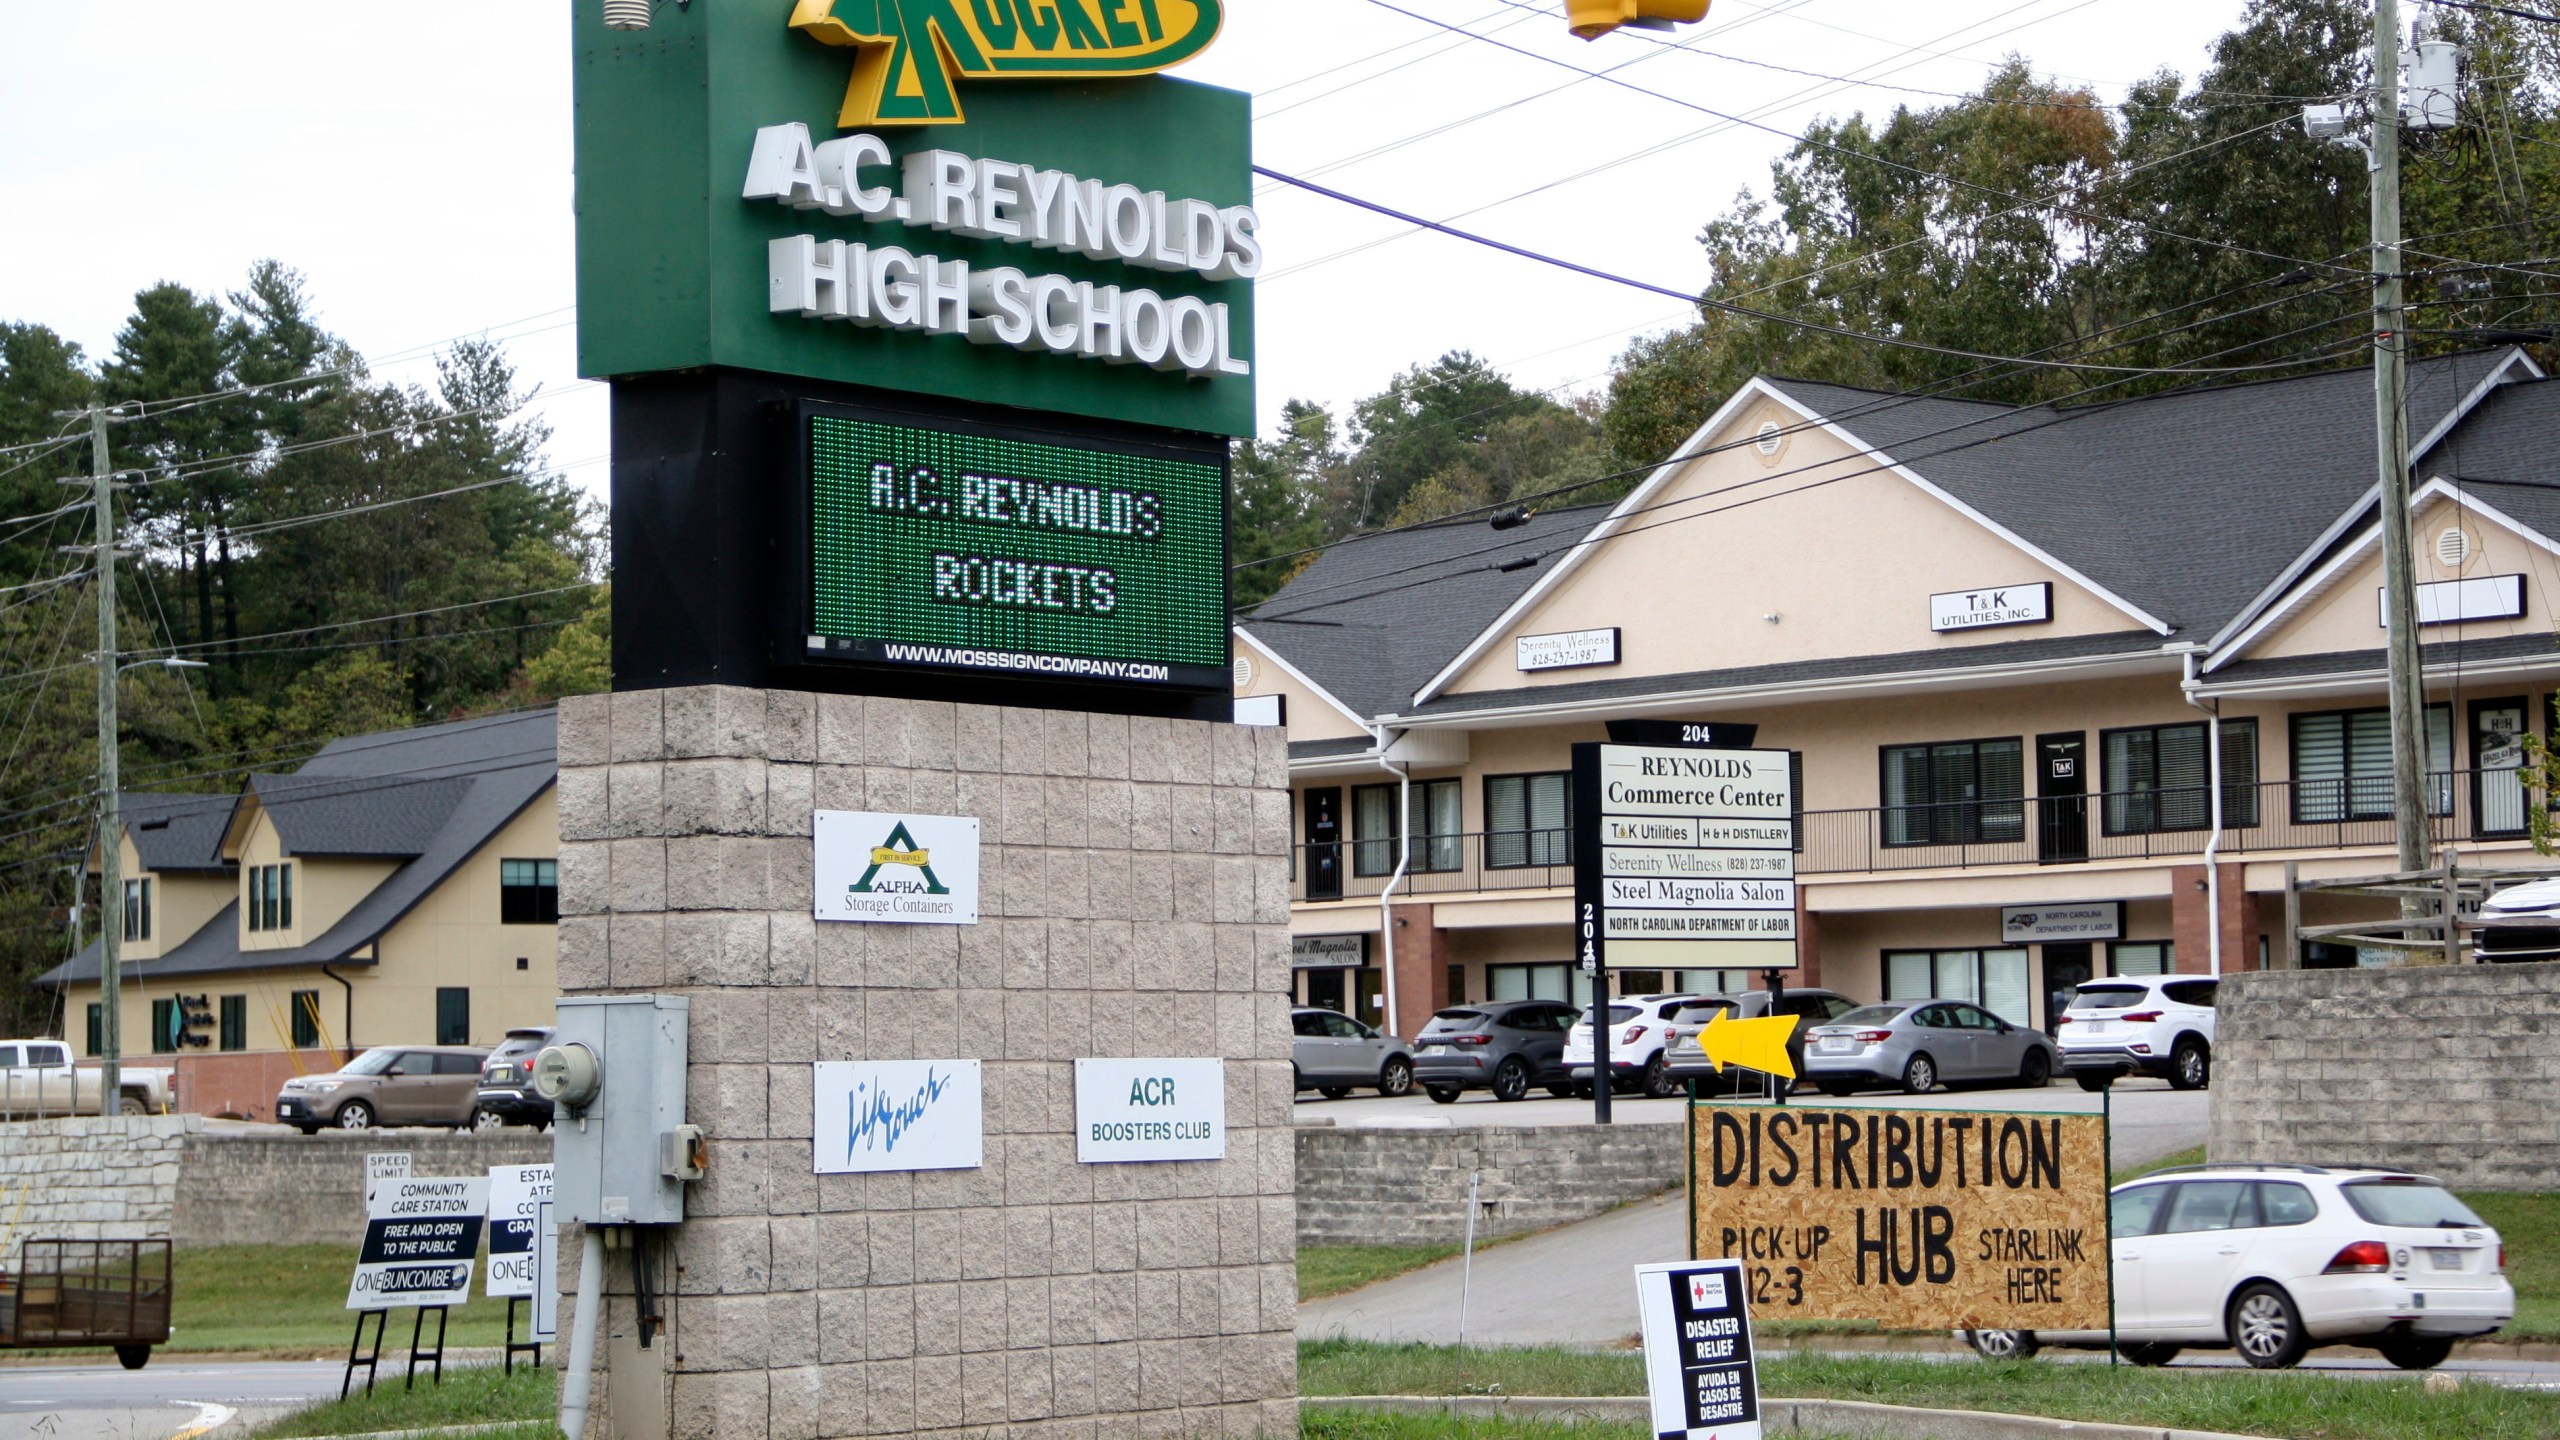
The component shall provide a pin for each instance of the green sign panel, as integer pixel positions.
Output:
(948, 550)
(1079, 246)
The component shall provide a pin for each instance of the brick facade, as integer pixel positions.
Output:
(2190, 925)
(242, 1085)
(1422, 968)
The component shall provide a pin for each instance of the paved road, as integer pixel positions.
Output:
(163, 1400)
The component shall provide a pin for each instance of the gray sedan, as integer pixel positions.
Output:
(1921, 1044)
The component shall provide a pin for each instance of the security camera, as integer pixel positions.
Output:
(2325, 122)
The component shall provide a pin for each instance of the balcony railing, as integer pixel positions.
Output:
(2274, 815)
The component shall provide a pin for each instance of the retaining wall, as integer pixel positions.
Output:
(1409, 1186)
(90, 1179)
(2453, 1071)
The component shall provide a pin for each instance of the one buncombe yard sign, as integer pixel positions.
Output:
(1912, 1219)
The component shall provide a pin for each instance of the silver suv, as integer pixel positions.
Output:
(1334, 1053)
(2141, 1025)
(1504, 1046)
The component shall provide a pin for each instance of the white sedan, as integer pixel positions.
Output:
(2274, 1260)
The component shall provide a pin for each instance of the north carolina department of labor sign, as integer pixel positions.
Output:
(1912, 1219)
(892, 869)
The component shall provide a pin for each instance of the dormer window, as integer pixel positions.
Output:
(137, 909)
(270, 897)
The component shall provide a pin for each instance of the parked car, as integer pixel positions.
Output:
(387, 1085)
(1639, 1030)
(1922, 1044)
(505, 1096)
(37, 1078)
(1689, 1062)
(2141, 1025)
(1335, 1054)
(2276, 1260)
(2520, 923)
(1504, 1046)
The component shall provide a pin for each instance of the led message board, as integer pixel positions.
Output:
(973, 550)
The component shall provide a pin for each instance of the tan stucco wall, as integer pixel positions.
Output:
(270, 995)
(1311, 716)
(2347, 616)
(1847, 563)
(453, 938)
(325, 888)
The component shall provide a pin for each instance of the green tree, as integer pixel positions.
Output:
(1278, 501)
(1428, 420)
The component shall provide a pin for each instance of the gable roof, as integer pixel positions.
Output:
(472, 777)
(175, 834)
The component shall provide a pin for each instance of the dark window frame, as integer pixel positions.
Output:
(137, 908)
(2352, 787)
(305, 1005)
(529, 901)
(1530, 843)
(1952, 822)
(166, 1017)
(97, 1028)
(235, 1022)
(1433, 852)
(453, 1019)
(2116, 798)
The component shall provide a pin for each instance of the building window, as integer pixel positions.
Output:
(2158, 778)
(1528, 820)
(97, 1028)
(2142, 957)
(137, 909)
(1457, 984)
(306, 1019)
(2342, 765)
(270, 897)
(168, 1022)
(1963, 793)
(235, 1022)
(1537, 982)
(1377, 811)
(453, 1015)
(528, 892)
(1996, 980)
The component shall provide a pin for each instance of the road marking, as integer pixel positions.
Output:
(209, 1417)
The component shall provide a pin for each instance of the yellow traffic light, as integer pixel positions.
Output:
(1592, 19)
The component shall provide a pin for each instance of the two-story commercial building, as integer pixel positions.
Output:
(2066, 688)
(400, 888)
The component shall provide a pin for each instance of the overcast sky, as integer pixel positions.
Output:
(414, 162)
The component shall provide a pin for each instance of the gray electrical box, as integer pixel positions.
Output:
(607, 1157)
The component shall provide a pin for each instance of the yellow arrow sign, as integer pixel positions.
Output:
(1752, 1044)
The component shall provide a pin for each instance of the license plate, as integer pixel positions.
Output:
(1435, 1049)
(1834, 1045)
(2099, 1027)
(2446, 1259)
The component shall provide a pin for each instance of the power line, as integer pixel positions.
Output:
(375, 620)
(245, 532)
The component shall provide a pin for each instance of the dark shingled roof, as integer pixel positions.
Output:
(175, 834)
(2507, 454)
(1387, 621)
(471, 776)
(2444, 654)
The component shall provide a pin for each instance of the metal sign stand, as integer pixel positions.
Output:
(418, 1328)
(371, 1361)
(517, 1347)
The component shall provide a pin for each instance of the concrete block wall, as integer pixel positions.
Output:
(264, 1188)
(90, 1179)
(1135, 904)
(2453, 1071)
(1409, 1187)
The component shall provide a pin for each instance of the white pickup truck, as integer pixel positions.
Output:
(38, 1080)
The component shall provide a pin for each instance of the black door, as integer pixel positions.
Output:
(2065, 967)
(2062, 785)
(1324, 844)
(2498, 728)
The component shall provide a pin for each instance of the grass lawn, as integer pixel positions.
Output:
(292, 1298)
(2299, 1407)
(2136, 1172)
(2530, 1225)
(1378, 1425)
(476, 1395)
(1332, 1269)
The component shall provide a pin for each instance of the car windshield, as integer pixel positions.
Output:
(2414, 1204)
(2108, 997)
(518, 1045)
(1618, 1015)
(1455, 1019)
(1872, 1015)
(372, 1062)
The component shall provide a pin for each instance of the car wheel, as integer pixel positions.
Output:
(1396, 1078)
(2004, 1344)
(1442, 1094)
(1837, 1089)
(2037, 1072)
(1582, 1089)
(1511, 1079)
(2151, 1355)
(132, 1105)
(484, 1119)
(1657, 1079)
(2266, 1328)
(2093, 1081)
(1920, 1076)
(355, 1115)
(2415, 1352)
(2191, 1065)
(1561, 1092)
(133, 1357)
(1333, 1092)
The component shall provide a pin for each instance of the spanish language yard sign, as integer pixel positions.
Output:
(1912, 1219)
(1699, 1373)
(1684, 859)
(420, 1237)
(517, 1194)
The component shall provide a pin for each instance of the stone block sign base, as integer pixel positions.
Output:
(1135, 904)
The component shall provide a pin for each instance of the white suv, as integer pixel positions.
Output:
(2140, 1024)
(2274, 1260)
(1636, 1056)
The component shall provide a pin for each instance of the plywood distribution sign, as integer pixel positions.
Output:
(1913, 1219)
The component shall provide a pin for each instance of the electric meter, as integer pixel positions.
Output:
(568, 1075)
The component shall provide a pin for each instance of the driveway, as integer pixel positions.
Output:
(163, 1400)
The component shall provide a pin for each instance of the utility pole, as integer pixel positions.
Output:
(110, 833)
(2390, 393)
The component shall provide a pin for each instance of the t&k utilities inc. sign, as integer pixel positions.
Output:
(896, 869)
(877, 1116)
(1140, 1110)
(1982, 609)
